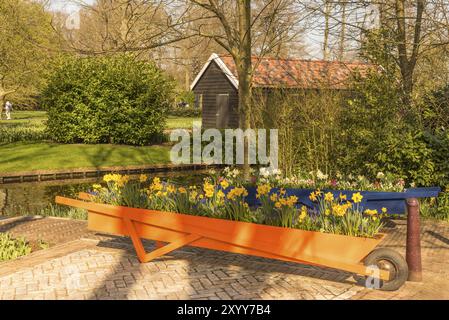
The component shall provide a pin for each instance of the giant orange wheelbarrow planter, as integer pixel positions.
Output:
(173, 230)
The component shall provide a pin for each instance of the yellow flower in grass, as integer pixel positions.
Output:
(208, 189)
(313, 196)
(263, 190)
(274, 197)
(220, 195)
(156, 185)
(291, 201)
(143, 178)
(96, 186)
(303, 214)
(329, 197)
(370, 212)
(357, 197)
(122, 181)
(115, 177)
(278, 204)
(282, 191)
(342, 196)
(237, 192)
(339, 210)
(327, 211)
(384, 210)
(224, 184)
(182, 190)
(171, 189)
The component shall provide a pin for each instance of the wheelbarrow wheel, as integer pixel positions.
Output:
(386, 259)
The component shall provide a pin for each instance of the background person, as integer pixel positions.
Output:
(8, 109)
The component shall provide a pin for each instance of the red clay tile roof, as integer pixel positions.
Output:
(310, 74)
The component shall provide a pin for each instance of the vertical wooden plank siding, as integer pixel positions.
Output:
(212, 83)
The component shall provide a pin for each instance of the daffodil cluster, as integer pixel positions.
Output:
(219, 197)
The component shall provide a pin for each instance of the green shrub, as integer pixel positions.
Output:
(12, 248)
(185, 112)
(115, 99)
(436, 208)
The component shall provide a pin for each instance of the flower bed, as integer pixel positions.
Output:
(225, 196)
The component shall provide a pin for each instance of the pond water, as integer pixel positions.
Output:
(30, 198)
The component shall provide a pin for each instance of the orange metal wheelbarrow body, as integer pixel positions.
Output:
(294, 245)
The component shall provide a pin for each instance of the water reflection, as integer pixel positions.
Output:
(30, 198)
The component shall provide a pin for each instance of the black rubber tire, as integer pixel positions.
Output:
(395, 259)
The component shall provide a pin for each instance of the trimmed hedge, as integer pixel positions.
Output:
(113, 99)
(185, 112)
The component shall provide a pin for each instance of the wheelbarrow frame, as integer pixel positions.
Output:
(172, 231)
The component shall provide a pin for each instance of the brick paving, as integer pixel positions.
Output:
(85, 265)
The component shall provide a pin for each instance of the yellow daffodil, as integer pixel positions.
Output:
(384, 210)
(237, 192)
(263, 190)
(339, 210)
(156, 185)
(274, 197)
(357, 197)
(143, 178)
(182, 190)
(342, 196)
(224, 184)
(303, 214)
(370, 212)
(208, 189)
(329, 197)
(278, 204)
(97, 186)
(122, 181)
(312, 196)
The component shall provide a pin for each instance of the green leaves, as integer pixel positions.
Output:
(12, 248)
(115, 99)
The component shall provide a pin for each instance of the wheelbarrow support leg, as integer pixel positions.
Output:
(413, 249)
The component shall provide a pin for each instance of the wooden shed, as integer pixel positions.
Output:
(216, 85)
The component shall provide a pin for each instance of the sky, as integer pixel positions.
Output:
(66, 5)
(312, 40)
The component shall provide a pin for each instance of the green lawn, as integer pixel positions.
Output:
(37, 118)
(43, 155)
(180, 122)
(25, 118)
(22, 156)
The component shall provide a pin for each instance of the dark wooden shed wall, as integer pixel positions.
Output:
(212, 83)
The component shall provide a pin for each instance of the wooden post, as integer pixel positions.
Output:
(413, 249)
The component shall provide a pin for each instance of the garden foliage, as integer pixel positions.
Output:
(113, 99)
(11, 248)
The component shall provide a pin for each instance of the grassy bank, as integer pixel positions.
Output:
(22, 156)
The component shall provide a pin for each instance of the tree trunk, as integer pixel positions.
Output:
(244, 70)
(327, 9)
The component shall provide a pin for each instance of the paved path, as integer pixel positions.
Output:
(84, 265)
